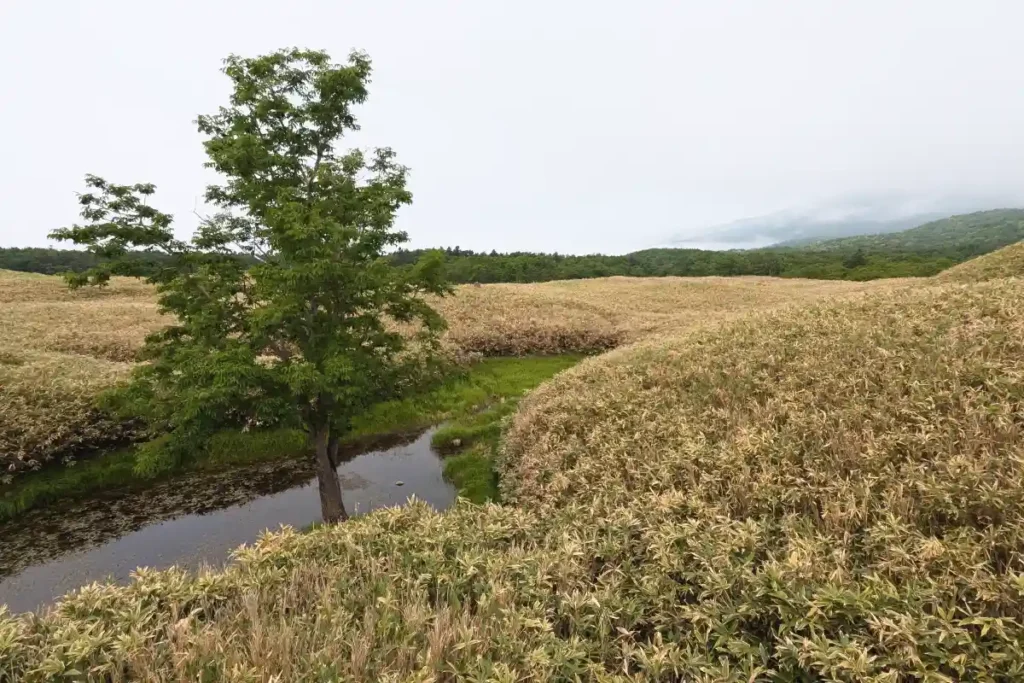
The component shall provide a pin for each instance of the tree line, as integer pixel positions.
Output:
(464, 266)
(917, 252)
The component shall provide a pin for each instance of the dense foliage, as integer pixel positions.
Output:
(304, 336)
(464, 267)
(59, 261)
(45, 261)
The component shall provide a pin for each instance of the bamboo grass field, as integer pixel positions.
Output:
(59, 349)
(750, 479)
(1005, 262)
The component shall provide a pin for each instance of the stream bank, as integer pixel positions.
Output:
(60, 528)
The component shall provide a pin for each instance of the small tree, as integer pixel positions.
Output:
(855, 260)
(287, 308)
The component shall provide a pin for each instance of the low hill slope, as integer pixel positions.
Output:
(833, 492)
(966, 236)
(1006, 262)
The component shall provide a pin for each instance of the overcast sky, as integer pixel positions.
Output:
(571, 126)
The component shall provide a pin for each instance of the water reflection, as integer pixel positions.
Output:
(200, 518)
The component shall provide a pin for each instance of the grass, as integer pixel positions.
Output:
(1005, 262)
(823, 492)
(474, 407)
(59, 349)
(51, 485)
(830, 490)
(470, 439)
(473, 474)
(115, 470)
(486, 384)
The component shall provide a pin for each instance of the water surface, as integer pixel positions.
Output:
(199, 519)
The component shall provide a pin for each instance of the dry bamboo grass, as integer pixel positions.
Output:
(832, 492)
(1005, 262)
(18, 287)
(599, 314)
(772, 414)
(59, 349)
(40, 313)
(47, 403)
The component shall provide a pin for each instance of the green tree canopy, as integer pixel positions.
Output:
(308, 335)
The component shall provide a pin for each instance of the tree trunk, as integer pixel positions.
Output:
(332, 449)
(331, 504)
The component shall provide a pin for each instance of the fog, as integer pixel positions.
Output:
(571, 126)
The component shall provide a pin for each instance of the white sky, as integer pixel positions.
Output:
(574, 126)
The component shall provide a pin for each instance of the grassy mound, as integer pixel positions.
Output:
(830, 493)
(781, 412)
(596, 315)
(59, 349)
(1005, 262)
(47, 408)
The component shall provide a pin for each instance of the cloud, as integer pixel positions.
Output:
(572, 126)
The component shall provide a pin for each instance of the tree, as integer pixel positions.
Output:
(856, 259)
(288, 311)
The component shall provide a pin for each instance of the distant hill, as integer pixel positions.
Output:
(965, 236)
(819, 232)
(794, 230)
(848, 216)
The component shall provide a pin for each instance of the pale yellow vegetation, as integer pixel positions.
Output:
(766, 480)
(59, 349)
(599, 314)
(1005, 262)
(831, 491)
(905, 402)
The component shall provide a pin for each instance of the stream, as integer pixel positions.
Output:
(198, 519)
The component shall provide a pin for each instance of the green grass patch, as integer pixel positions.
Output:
(116, 470)
(472, 473)
(473, 402)
(453, 438)
(227, 449)
(483, 385)
(472, 438)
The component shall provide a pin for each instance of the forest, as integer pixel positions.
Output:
(858, 264)
(919, 252)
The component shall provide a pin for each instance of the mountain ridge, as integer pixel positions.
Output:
(846, 217)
